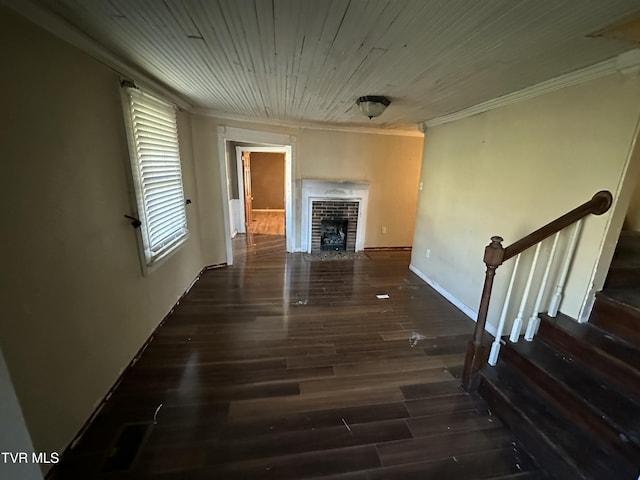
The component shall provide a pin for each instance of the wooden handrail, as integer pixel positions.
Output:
(599, 204)
(495, 254)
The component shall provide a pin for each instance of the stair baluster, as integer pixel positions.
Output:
(572, 397)
(534, 320)
(564, 273)
(495, 346)
(516, 329)
(495, 255)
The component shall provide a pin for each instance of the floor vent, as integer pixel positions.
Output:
(127, 447)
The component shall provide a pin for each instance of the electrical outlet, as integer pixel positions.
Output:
(421, 184)
(427, 253)
(384, 229)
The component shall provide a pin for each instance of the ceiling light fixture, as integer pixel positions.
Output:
(372, 105)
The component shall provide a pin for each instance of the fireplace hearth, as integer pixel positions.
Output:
(333, 234)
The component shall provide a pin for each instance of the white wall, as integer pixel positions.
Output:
(511, 170)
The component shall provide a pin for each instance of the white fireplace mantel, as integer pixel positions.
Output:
(323, 190)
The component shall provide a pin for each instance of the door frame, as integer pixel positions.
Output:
(240, 167)
(240, 174)
(273, 141)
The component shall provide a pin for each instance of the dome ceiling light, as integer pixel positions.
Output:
(372, 105)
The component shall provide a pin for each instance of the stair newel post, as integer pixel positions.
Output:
(516, 329)
(534, 320)
(566, 266)
(475, 357)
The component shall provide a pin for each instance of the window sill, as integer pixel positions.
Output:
(149, 268)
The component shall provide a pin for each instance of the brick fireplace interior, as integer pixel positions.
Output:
(339, 212)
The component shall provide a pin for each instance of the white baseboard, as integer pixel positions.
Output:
(457, 303)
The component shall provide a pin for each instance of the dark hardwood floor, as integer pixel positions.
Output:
(283, 368)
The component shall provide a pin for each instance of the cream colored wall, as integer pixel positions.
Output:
(208, 187)
(632, 220)
(513, 169)
(76, 307)
(390, 163)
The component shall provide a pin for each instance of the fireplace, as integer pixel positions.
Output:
(334, 223)
(333, 234)
(328, 200)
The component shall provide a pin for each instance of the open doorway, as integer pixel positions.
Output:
(261, 178)
(236, 201)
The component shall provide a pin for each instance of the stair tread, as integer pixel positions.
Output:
(625, 265)
(617, 311)
(601, 339)
(628, 250)
(622, 275)
(629, 297)
(616, 408)
(559, 434)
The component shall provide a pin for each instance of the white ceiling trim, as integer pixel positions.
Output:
(309, 125)
(626, 63)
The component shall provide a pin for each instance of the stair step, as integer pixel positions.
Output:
(554, 442)
(623, 276)
(618, 311)
(523, 476)
(628, 248)
(602, 413)
(624, 271)
(615, 361)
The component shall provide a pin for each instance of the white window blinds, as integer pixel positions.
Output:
(153, 138)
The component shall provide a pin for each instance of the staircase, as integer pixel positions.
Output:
(572, 395)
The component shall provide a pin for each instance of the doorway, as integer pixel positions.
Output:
(232, 179)
(261, 173)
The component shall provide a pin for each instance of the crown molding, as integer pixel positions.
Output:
(67, 32)
(627, 63)
(307, 125)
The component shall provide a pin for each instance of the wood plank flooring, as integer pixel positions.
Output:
(283, 368)
(267, 222)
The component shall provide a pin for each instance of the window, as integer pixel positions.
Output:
(157, 176)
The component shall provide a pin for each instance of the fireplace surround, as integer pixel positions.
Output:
(338, 200)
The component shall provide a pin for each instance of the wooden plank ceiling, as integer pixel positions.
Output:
(302, 61)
